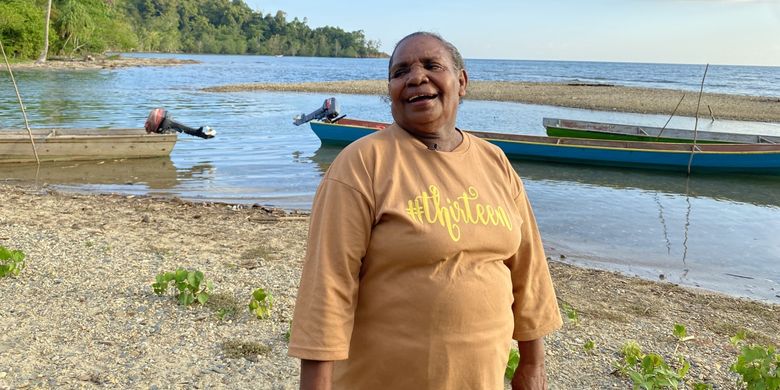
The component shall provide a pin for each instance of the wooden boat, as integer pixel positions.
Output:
(596, 130)
(746, 158)
(83, 144)
(155, 139)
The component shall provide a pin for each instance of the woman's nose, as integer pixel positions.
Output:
(417, 75)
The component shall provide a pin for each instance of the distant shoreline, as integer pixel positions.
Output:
(96, 63)
(603, 97)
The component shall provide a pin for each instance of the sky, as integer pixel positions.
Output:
(726, 32)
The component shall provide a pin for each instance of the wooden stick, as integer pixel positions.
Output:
(696, 122)
(19, 97)
(711, 114)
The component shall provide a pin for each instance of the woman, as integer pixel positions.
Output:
(423, 258)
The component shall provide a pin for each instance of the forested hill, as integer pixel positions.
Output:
(81, 27)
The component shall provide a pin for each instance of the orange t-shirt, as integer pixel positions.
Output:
(421, 267)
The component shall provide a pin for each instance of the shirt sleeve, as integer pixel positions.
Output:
(339, 233)
(535, 306)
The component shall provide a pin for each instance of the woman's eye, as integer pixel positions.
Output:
(398, 73)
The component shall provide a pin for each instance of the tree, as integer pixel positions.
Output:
(21, 29)
(45, 51)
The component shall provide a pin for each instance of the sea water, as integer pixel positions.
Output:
(717, 232)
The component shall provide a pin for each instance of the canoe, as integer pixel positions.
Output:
(750, 189)
(744, 158)
(611, 131)
(83, 144)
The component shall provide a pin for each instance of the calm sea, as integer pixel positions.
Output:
(715, 232)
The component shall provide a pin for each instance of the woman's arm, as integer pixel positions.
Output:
(530, 373)
(316, 375)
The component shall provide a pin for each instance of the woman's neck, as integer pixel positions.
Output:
(442, 141)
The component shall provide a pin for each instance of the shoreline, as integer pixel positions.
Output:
(586, 96)
(83, 313)
(96, 63)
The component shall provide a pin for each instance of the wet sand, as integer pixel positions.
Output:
(587, 96)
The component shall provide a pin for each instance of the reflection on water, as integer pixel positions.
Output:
(154, 173)
(699, 230)
(753, 189)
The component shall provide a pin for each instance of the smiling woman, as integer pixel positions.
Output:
(426, 82)
(424, 259)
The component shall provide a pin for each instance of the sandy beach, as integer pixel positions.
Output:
(83, 313)
(587, 96)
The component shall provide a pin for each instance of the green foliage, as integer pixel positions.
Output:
(738, 338)
(571, 313)
(702, 386)
(90, 26)
(81, 27)
(232, 27)
(189, 284)
(681, 333)
(650, 371)
(21, 29)
(512, 363)
(261, 303)
(759, 367)
(589, 346)
(11, 262)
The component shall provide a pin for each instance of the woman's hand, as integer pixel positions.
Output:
(530, 373)
(529, 377)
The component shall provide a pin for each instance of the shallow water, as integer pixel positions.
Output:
(711, 231)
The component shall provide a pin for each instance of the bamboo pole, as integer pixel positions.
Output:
(696, 122)
(19, 97)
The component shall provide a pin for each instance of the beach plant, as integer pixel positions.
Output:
(261, 303)
(190, 286)
(738, 338)
(571, 313)
(589, 346)
(11, 262)
(650, 371)
(681, 333)
(758, 366)
(512, 363)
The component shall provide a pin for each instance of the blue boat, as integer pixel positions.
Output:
(739, 158)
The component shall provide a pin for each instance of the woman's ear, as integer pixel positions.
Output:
(463, 80)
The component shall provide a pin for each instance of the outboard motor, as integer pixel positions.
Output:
(329, 112)
(160, 122)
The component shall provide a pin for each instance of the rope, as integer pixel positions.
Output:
(670, 118)
(696, 123)
(19, 97)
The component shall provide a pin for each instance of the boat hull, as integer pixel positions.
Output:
(83, 144)
(609, 131)
(763, 159)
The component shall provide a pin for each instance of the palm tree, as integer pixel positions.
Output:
(45, 51)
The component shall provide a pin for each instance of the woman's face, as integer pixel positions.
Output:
(425, 87)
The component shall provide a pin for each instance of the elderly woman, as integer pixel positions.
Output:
(424, 259)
